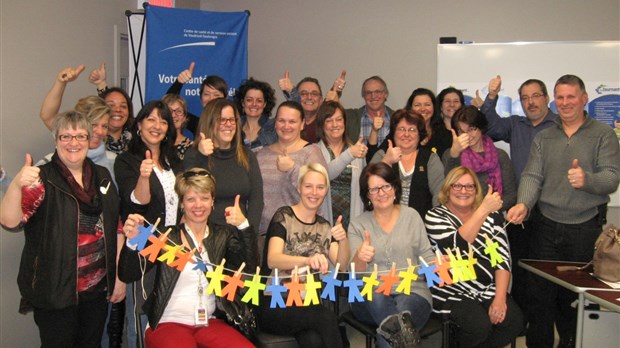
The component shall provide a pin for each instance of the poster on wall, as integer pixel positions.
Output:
(215, 41)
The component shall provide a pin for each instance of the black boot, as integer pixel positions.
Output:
(399, 331)
(116, 324)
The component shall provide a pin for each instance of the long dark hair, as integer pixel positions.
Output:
(436, 121)
(168, 157)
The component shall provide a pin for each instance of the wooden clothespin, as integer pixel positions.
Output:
(237, 272)
(336, 269)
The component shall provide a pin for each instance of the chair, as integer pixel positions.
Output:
(267, 340)
(433, 326)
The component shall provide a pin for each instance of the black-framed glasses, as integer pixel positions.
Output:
(232, 121)
(385, 188)
(527, 98)
(65, 138)
(467, 187)
(306, 94)
(190, 174)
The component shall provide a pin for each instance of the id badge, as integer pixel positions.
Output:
(201, 316)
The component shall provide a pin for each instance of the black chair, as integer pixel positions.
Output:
(433, 326)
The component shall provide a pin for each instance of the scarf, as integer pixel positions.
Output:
(87, 196)
(488, 164)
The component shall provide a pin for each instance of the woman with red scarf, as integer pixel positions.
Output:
(472, 148)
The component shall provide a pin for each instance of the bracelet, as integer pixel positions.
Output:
(99, 91)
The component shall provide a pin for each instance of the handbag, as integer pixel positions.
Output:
(240, 315)
(606, 260)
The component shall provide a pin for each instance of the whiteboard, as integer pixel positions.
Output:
(469, 67)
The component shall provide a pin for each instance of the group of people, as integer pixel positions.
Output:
(314, 186)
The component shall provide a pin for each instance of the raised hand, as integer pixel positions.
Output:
(29, 174)
(495, 85)
(284, 161)
(285, 83)
(98, 77)
(146, 167)
(576, 175)
(377, 121)
(459, 143)
(340, 82)
(130, 228)
(492, 201)
(359, 150)
(69, 74)
(366, 251)
(478, 101)
(393, 154)
(338, 231)
(205, 145)
(186, 75)
(234, 215)
(318, 262)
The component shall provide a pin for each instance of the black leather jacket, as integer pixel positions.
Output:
(48, 270)
(237, 246)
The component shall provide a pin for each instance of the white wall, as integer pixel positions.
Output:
(393, 38)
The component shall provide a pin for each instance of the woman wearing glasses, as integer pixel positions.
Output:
(178, 109)
(486, 315)
(180, 311)
(255, 99)
(421, 172)
(390, 235)
(68, 209)
(472, 148)
(220, 150)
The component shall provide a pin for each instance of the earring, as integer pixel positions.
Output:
(165, 139)
(138, 132)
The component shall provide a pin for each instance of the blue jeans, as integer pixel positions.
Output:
(373, 312)
(550, 303)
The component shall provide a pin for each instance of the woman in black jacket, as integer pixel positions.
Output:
(175, 306)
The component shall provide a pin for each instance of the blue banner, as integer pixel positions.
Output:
(215, 41)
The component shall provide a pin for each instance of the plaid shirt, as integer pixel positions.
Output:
(366, 126)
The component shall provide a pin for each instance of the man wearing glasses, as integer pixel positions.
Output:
(573, 167)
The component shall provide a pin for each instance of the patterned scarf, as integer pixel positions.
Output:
(488, 164)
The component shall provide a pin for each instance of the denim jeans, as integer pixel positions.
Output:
(373, 312)
(550, 303)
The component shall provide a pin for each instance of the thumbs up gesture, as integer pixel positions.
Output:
(205, 145)
(186, 75)
(284, 161)
(393, 154)
(340, 82)
(28, 175)
(477, 101)
(146, 167)
(492, 201)
(359, 149)
(98, 77)
(576, 175)
(495, 85)
(459, 143)
(234, 215)
(377, 121)
(338, 231)
(285, 83)
(70, 74)
(366, 251)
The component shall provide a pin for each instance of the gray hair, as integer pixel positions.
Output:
(71, 119)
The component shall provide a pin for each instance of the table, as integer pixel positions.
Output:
(606, 298)
(575, 281)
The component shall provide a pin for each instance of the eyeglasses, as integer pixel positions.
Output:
(385, 188)
(470, 130)
(306, 94)
(178, 112)
(231, 121)
(412, 130)
(526, 98)
(66, 138)
(467, 187)
(190, 174)
(375, 92)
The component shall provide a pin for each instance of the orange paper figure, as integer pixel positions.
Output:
(388, 280)
(182, 259)
(294, 291)
(157, 244)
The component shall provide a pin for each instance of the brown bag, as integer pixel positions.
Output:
(606, 260)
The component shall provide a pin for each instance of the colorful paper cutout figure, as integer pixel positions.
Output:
(407, 277)
(443, 269)
(471, 261)
(157, 244)
(388, 280)
(254, 287)
(491, 250)
(200, 265)
(277, 301)
(462, 265)
(312, 296)
(215, 279)
(233, 283)
(140, 240)
(182, 259)
(294, 291)
(170, 254)
(429, 273)
(369, 283)
(353, 285)
(331, 283)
